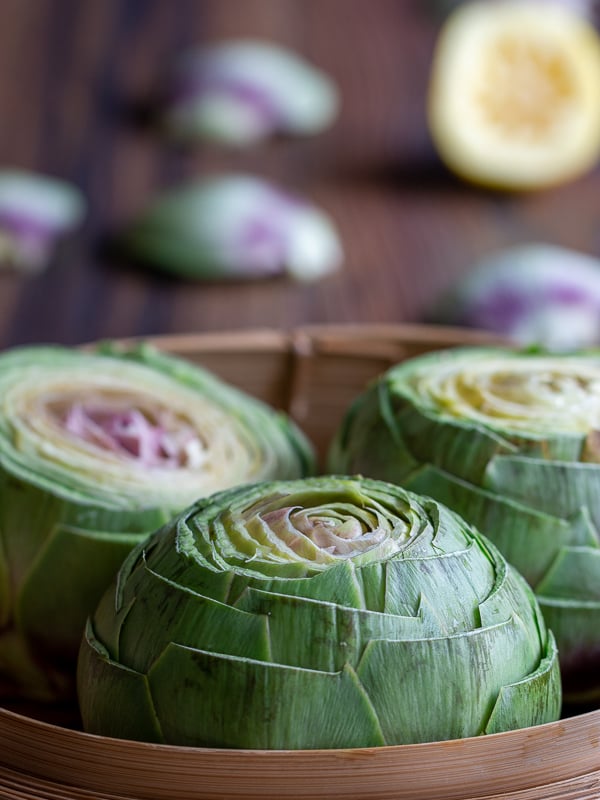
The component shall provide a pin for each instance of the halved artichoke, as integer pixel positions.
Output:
(97, 449)
(511, 441)
(319, 613)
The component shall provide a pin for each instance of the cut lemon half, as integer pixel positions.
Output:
(514, 96)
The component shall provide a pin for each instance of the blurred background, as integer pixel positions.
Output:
(77, 78)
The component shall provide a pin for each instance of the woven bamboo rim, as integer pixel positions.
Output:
(312, 372)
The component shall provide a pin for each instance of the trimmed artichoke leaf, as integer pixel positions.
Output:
(174, 554)
(304, 633)
(178, 614)
(339, 585)
(90, 559)
(528, 538)
(463, 671)
(128, 690)
(6, 598)
(370, 441)
(574, 575)
(455, 446)
(447, 574)
(534, 700)
(560, 488)
(512, 591)
(316, 635)
(575, 626)
(283, 706)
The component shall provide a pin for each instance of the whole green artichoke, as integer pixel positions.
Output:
(510, 440)
(319, 613)
(96, 451)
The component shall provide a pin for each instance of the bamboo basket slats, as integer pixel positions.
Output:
(529, 764)
(313, 372)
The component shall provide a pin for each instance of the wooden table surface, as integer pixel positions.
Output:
(72, 74)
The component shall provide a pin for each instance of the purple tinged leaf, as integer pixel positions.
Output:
(533, 294)
(235, 227)
(240, 92)
(34, 212)
(131, 435)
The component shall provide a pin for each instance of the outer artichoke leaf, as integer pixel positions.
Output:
(53, 611)
(5, 584)
(584, 532)
(512, 591)
(127, 689)
(575, 625)
(173, 552)
(559, 488)
(369, 441)
(316, 635)
(528, 538)
(107, 621)
(340, 584)
(29, 511)
(304, 633)
(452, 575)
(275, 707)
(450, 533)
(186, 617)
(573, 575)
(462, 448)
(534, 700)
(436, 676)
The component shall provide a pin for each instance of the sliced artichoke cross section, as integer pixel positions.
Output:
(98, 449)
(318, 613)
(509, 440)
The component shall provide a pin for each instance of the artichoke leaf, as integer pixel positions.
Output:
(574, 574)
(513, 706)
(178, 613)
(87, 557)
(445, 674)
(456, 447)
(302, 630)
(560, 488)
(127, 689)
(377, 445)
(529, 538)
(409, 579)
(218, 686)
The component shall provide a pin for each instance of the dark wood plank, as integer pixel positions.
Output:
(72, 74)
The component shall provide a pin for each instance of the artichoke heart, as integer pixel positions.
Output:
(98, 449)
(510, 440)
(327, 612)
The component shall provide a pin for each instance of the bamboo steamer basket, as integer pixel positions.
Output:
(313, 373)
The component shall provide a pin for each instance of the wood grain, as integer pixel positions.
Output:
(73, 77)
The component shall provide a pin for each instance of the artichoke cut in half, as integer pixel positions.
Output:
(329, 612)
(98, 449)
(511, 441)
